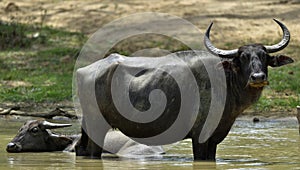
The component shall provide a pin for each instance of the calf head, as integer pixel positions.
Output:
(34, 136)
(250, 62)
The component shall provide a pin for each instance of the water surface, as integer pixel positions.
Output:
(269, 144)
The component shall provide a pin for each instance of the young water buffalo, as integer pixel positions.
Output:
(35, 136)
(246, 75)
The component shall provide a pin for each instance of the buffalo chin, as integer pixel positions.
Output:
(258, 85)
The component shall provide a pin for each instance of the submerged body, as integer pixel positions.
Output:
(35, 136)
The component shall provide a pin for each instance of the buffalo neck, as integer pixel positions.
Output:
(58, 143)
(239, 94)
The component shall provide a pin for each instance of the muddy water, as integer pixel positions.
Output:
(269, 144)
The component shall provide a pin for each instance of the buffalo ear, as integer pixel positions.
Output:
(279, 60)
(62, 140)
(59, 143)
(227, 66)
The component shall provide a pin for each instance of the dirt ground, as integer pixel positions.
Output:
(247, 19)
(235, 21)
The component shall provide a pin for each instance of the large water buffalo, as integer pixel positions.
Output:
(35, 136)
(246, 75)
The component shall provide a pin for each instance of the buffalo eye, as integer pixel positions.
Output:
(243, 58)
(20, 130)
(263, 56)
(34, 130)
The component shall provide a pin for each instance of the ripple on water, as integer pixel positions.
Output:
(263, 145)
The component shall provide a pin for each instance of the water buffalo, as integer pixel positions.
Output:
(35, 136)
(246, 75)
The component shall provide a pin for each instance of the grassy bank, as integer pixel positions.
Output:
(36, 66)
(283, 93)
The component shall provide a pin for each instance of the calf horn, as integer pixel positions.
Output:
(283, 43)
(216, 51)
(49, 125)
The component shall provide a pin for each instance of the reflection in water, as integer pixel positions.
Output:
(267, 144)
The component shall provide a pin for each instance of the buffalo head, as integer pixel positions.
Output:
(250, 62)
(34, 136)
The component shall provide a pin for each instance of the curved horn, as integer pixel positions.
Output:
(210, 47)
(283, 43)
(49, 125)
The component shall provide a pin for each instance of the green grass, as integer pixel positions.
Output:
(286, 78)
(44, 66)
(283, 93)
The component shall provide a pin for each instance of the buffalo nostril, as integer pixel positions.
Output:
(258, 77)
(11, 145)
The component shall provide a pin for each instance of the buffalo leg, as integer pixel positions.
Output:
(204, 151)
(94, 151)
(87, 147)
(212, 148)
(81, 145)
